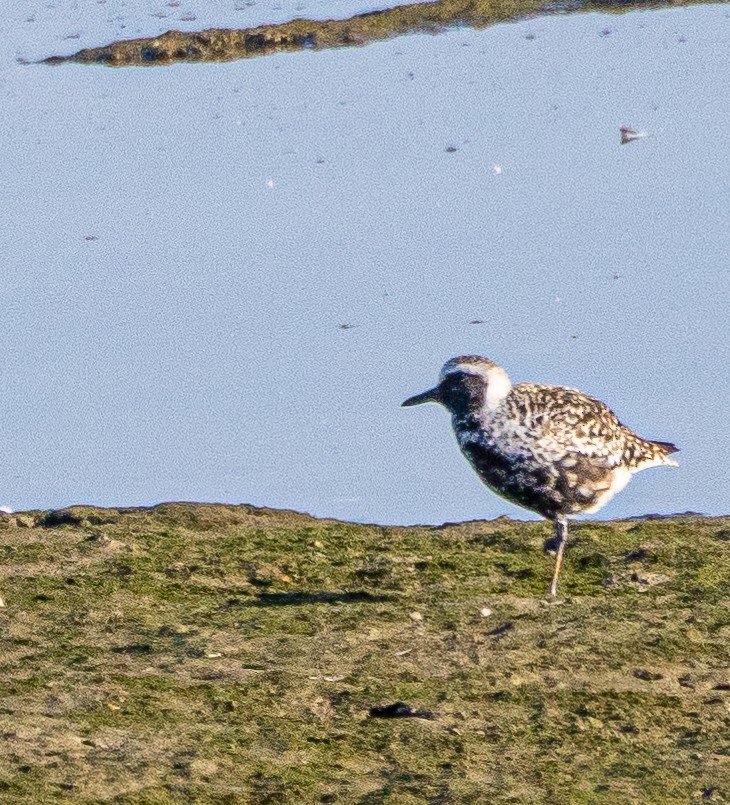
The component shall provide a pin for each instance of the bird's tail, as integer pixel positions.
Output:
(662, 451)
(641, 454)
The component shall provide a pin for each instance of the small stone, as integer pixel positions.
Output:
(646, 675)
(651, 579)
(502, 629)
(213, 655)
(416, 616)
(399, 710)
(485, 612)
(203, 768)
(267, 574)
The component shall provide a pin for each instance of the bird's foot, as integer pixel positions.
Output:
(550, 546)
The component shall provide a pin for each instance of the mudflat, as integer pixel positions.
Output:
(214, 653)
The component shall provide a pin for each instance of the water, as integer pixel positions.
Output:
(180, 247)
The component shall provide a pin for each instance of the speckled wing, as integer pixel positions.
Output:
(555, 423)
(550, 449)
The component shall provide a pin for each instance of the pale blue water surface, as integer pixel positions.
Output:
(179, 247)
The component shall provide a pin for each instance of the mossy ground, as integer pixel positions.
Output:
(201, 653)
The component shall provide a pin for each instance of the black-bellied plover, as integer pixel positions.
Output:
(550, 449)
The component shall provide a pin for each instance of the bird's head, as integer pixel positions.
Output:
(467, 384)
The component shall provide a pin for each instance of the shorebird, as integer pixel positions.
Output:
(550, 449)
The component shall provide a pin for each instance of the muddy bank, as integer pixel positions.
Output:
(204, 653)
(223, 44)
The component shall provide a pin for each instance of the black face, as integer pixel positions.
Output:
(462, 393)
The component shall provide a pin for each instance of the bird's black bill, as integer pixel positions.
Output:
(432, 395)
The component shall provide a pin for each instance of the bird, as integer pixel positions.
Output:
(551, 449)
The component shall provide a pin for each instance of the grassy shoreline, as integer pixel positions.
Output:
(211, 653)
(432, 17)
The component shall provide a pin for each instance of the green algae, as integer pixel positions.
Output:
(201, 653)
(224, 44)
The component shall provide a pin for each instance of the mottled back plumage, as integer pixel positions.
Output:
(550, 449)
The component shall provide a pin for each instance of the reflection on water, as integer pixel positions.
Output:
(225, 44)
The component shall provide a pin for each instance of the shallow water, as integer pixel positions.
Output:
(182, 245)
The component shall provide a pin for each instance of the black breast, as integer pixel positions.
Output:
(549, 490)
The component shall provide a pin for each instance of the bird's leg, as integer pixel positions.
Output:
(561, 535)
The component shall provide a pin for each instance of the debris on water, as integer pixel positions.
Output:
(628, 135)
(91, 237)
(347, 326)
(450, 149)
(477, 321)
(496, 169)
(399, 710)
